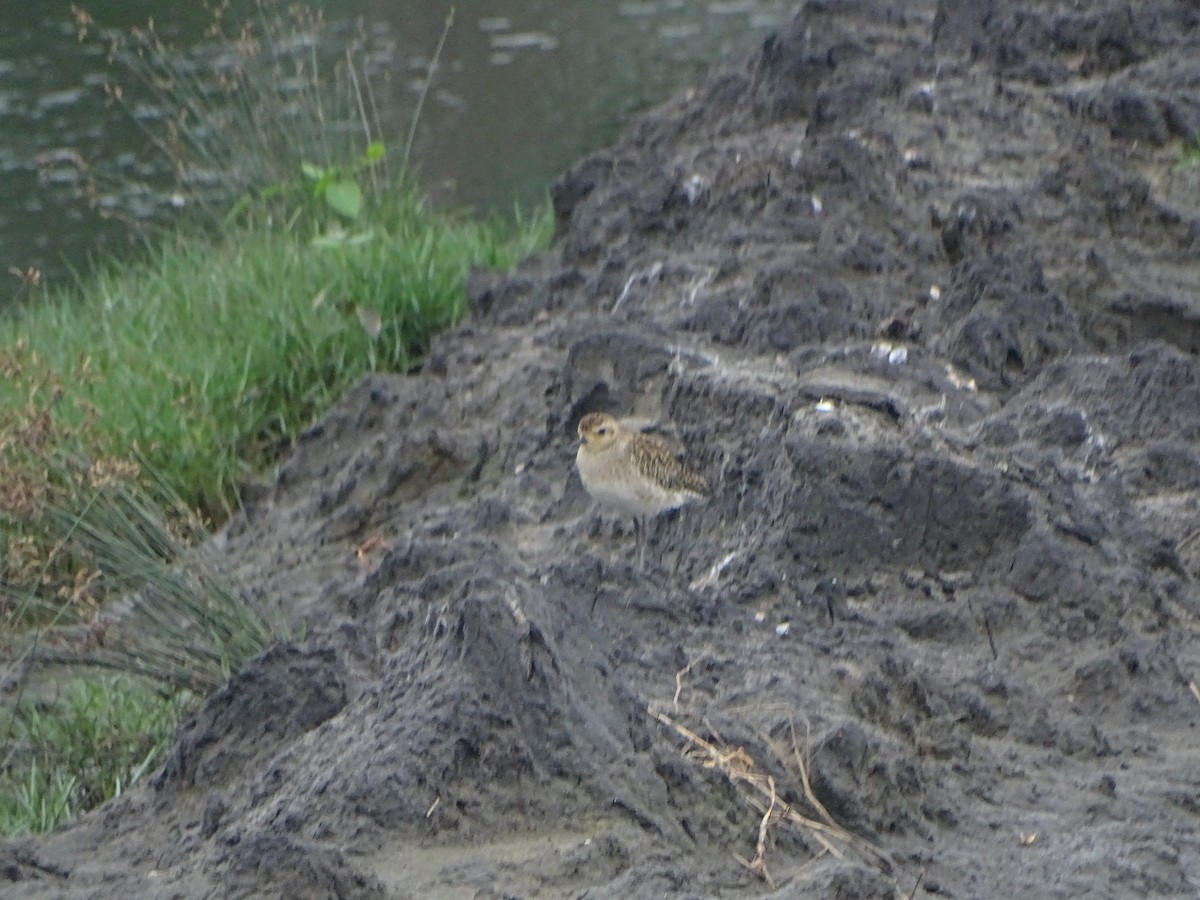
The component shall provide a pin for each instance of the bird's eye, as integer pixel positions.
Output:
(603, 429)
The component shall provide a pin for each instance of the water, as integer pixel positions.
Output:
(523, 90)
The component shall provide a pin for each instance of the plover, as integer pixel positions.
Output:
(634, 473)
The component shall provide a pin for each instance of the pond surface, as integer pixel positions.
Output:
(523, 89)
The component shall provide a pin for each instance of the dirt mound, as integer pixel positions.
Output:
(915, 285)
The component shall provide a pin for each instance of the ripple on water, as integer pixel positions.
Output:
(524, 40)
(59, 99)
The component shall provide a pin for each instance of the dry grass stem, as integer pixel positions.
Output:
(913, 893)
(758, 789)
(679, 676)
(425, 85)
(802, 769)
(758, 865)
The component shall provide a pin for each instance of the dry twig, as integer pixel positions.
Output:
(759, 791)
(913, 893)
(679, 679)
(758, 865)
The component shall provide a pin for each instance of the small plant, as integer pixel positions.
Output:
(76, 750)
(339, 187)
(262, 108)
(336, 187)
(1189, 153)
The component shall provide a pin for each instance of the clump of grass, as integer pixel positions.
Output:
(128, 563)
(272, 111)
(74, 751)
(230, 113)
(38, 583)
(213, 355)
(168, 610)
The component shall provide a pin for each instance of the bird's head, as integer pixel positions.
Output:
(597, 431)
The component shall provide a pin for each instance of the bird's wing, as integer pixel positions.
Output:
(658, 461)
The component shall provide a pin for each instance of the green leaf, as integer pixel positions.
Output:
(345, 198)
(312, 171)
(374, 152)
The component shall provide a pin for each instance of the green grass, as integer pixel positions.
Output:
(79, 749)
(211, 356)
(136, 404)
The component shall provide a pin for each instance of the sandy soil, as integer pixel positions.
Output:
(916, 285)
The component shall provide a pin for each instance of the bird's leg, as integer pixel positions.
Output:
(596, 587)
(639, 540)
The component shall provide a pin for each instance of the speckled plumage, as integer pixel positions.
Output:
(631, 471)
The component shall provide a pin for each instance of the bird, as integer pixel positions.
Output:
(634, 473)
